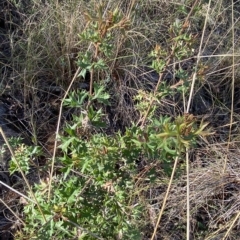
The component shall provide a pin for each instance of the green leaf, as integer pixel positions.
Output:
(100, 95)
(76, 99)
(99, 65)
(168, 150)
(137, 143)
(83, 73)
(99, 124)
(64, 146)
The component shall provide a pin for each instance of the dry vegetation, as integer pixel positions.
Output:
(39, 48)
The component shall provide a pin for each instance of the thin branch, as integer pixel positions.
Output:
(165, 198)
(142, 121)
(21, 171)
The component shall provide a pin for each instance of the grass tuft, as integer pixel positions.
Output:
(129, 112)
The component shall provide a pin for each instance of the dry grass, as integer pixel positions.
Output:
(44, 46)
(214, 200)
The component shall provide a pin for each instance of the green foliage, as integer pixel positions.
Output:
(100, 34)
(91, 197)
(23, 155)
(93, 192)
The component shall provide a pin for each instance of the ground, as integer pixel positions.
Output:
(40, 48)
